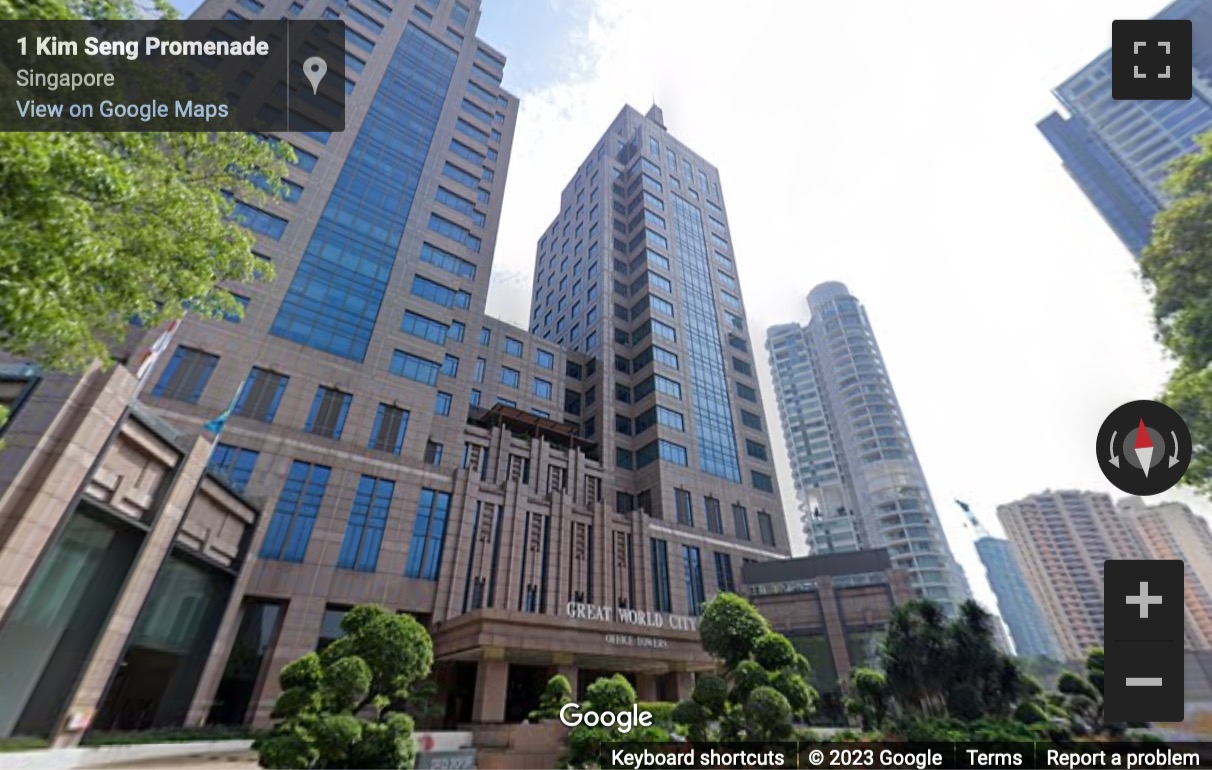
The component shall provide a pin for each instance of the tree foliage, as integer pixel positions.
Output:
(939, 668)
(764, 683)
(615, 694)
(555, 695)
(345, 706)
(99, 228)
(1177, 263)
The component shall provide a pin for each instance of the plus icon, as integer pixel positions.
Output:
(1144, 600)
(1151, 59)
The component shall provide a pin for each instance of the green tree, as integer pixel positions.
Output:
(1177, 263)
(939, 668)
(616, 694)
(557, 693)
(764, 683)
(345, 706)
(869, 696)
(98, 228)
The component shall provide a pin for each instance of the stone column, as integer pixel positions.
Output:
(562, 665)
(683, 685)
(645, 687)
(492, 683)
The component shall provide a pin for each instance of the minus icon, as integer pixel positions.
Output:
(1144, 681)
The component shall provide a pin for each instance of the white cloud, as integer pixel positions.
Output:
(891, 146)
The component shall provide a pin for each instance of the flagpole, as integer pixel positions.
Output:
(217, 424)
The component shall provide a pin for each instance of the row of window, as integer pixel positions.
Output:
(298, 505)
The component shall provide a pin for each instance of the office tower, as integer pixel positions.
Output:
(856, 473)
(638, 268)
(1060, 540)
(1119, 152)
(1173, 531)
(387, 442)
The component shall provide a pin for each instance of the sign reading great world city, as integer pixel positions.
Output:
(629, 617)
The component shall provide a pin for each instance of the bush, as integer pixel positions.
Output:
(609, 694)
(662, 712)
(730, 628)
(557, 693)
(343, 707)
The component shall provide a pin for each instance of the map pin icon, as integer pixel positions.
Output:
(314, 68)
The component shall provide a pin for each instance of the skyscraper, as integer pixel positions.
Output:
(1119, 152)
(856, 473)
(638, 268)
(1173, 531)
(1032, 636)
(565, 501)
(1060, 540)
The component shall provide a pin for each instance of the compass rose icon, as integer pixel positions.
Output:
(1144, 448)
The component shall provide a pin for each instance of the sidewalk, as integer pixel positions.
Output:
(232, 755)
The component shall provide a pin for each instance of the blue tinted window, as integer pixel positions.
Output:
(450, 366)
(510, 377)
(414, 368)
(391, 425)
(437, 293)
(458, 233)
(458, 14)
(714, 429)
(472, 109)
(542, 389)
(693, 570)
(723, 570)
(328, 412)
(353, 63)
(762, 482)
(428, 535)
(353, 249)
(461, 176)
(661, 599)
(261, 395)
(259, 221)
(363, 42)
(186, 375)
(465, 152)
(513, 347)
(465, 128)
(367, 521)
(544, 359)
(441, 404)
(234, 463)
(447, 261)
(352, 12)
(425, 328)
(295, 512)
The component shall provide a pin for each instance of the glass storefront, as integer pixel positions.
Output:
(242, 679)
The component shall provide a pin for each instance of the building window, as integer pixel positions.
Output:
(715, 521)
(751, 420)
(186, 375)
(442, 404)
(661, 599)
(367, 520)
(755, 450)
(475, 398)
(295, 512)
(234, 464)
(542, 389)
(740, 521)
(746, 392)
(428, 534)
(387, 435)
(433, 453)
(766, 528)
(544, 359)
(450, 366)
(426, 328)
(623, 458)
(693, 571)
(762, 482)
(513, 347)
(684, 507)
(261, 395)
(485, 336)
(510, 377)
(414, 368)
(328, 412)
(723, 573)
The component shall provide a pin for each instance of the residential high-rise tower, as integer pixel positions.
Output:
(857, 476)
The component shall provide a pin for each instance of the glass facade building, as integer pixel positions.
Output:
(1120, 152)
(857, 476)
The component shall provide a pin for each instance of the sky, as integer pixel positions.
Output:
(890, 145)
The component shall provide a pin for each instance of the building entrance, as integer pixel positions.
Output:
(525, 690)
